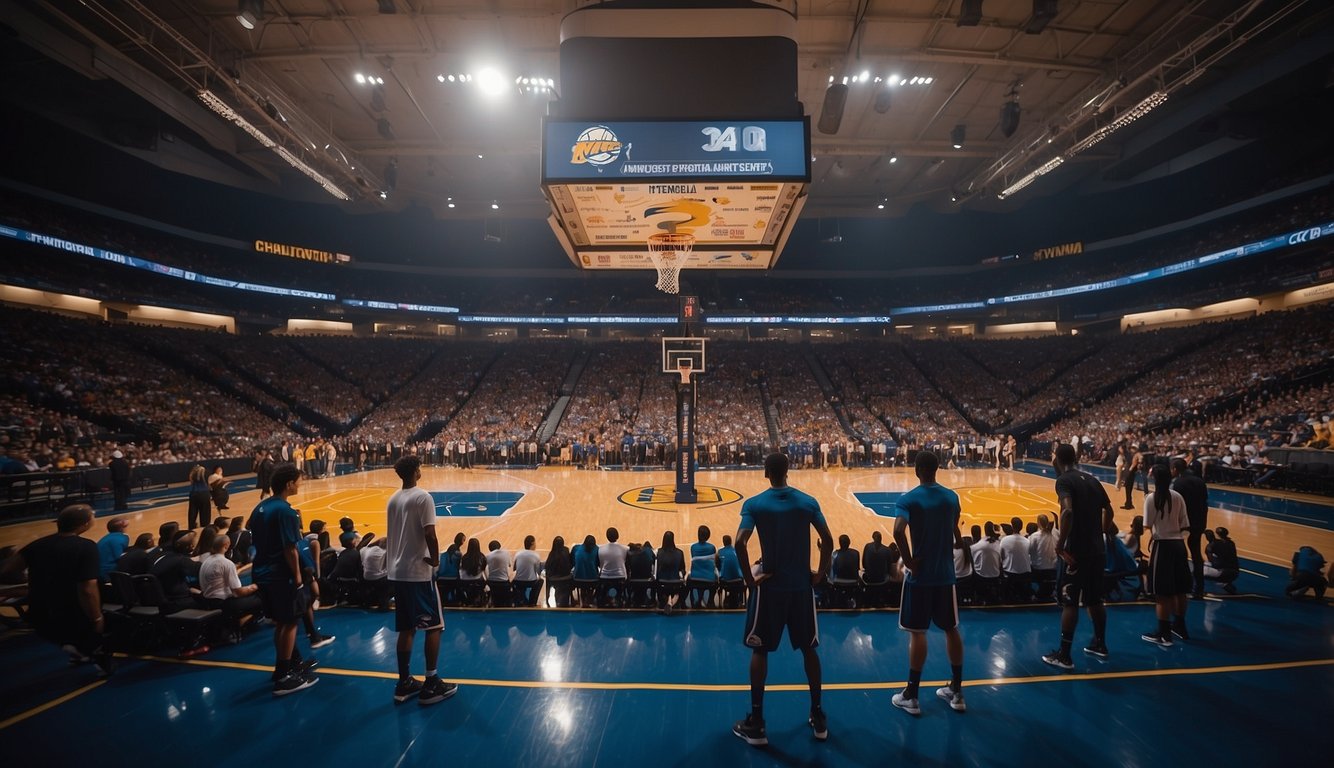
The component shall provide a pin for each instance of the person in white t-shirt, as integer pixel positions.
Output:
(414, 554)
(220, 587)
(1042, 557)
(527, 573)
(498, 564)
(611, 568)
(1016, 565)
(1169, 571)
(987, 564)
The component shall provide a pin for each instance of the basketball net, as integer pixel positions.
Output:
(669, 250)
(684, 368)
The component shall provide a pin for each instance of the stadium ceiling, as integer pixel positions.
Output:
(360, 100)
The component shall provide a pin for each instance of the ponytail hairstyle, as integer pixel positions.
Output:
(1162, 487)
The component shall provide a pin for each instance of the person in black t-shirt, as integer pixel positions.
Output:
(136, 560)
(1196, 495)
(174, 570)
(1086, 515)
(1223, 565)
(64, 603)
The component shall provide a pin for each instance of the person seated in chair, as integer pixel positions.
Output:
(347, 573)
(987, 564)
(639, 569)
(730, 576)
(1016, 563)
(527, 573)
(845, 572)
(559, 569)
(375, 573)
(135, 561)
(703, 570)
(585, 558)
(1042, 557)
(611, 569)
(221, 588)
(1223, 566)
(671, 573)
(875, 570)
(498, 574)
(173, 570)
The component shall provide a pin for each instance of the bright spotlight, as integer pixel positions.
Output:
(440, 78)
(491, 82)
(360, 78)
(495, 206)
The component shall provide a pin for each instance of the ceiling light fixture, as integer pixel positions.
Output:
(957, 135)
(1029, 178)
(250, 12)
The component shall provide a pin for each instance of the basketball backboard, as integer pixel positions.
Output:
(678, 352)
(736, 186)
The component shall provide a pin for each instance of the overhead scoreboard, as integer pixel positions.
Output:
(737, 186)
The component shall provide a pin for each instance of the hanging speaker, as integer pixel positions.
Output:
(1009, 118)
(970, 14)
(831, 114)
(882, 99)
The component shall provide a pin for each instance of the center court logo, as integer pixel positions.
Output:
(596, 146)
(662, 498)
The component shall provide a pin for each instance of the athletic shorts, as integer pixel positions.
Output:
(417, 606)
(923, 604)
(282, 601)
(1083, 585)
(1169, 569)
(770, 610)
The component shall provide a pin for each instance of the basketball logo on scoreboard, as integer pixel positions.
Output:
(596, 146)
(662, 498)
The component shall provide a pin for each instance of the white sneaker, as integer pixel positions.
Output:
(907, 705)
(955, 698)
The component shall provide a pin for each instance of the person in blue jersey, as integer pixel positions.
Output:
(930, 513)
(729, 571)
(276, 532)
(111, 546)
(781, 592)
(703, 570)
(1086, 516)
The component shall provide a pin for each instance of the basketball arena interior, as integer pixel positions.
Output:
(591, 263)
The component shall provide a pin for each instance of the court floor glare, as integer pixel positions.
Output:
(575, 687)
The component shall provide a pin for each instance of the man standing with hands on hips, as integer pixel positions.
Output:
(781, 593)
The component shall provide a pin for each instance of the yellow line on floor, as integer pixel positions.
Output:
(728, 688)
(37, 710)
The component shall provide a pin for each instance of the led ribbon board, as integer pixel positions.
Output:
(737, 186)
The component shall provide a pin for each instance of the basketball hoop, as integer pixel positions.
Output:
(669, 250)
(684, 367)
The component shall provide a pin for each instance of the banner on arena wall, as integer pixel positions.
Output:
(305, 254)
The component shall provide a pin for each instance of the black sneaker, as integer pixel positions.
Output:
(1231, 589)
(406, 689)
(293, 683)
(303, 667)
(751, 731)
(1058, 659)
(106, 665)
(1179, 631)
(319, 641)
(1096, 648)
(436, 690)
(1162, 641)
(819, 724)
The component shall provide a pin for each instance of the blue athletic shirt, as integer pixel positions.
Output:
(449, 564)
(731, 566)
(932, 512)
(585, 562)
(701, 561)
(274, 526)
(782, 518)
(1308, 560)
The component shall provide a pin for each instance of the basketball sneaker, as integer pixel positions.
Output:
(1059, 659)
(294, 682)
(1179, 631)
(436, 690)
(955, 698)
(751, 731)
(1096, 648)
(1162, 641)
(819, 724)
(406, 689)
(319, 641)
(906, 704)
